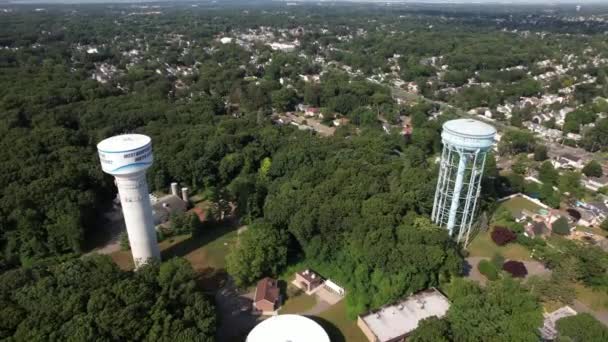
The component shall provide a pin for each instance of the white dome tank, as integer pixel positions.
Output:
(293, 328)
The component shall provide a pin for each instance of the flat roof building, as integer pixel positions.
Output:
(548, 331)
(308, 280)
(396, 321)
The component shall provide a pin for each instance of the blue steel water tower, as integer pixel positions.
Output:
(465, 145)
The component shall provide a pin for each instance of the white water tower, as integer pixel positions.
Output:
(127, 157)
(466, 143)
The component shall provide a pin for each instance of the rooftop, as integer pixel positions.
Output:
(310, 276)
(165, 206)
(267, 289)
(400, 319)
(123, 143)
(570, 157)
(470, 127)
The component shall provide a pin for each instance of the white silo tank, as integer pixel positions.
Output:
(127, 157)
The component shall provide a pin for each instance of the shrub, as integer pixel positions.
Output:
(123, 239)
(560, 226)
(593, 169)
(604, 224)
(160, 235)
(498, 260)
(501, 236)
(516, 268)
(488, 269)
(582, 327)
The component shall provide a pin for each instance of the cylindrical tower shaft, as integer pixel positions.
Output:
(462, 165)
(127, 157)
(136, 208)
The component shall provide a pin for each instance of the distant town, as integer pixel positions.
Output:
(304, 171)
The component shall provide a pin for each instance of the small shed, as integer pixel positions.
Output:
(267, 296)
(308, 280)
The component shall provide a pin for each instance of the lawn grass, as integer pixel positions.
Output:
(204, 252)
(594, 230)
(595, 299)
(516, 204)
(338, 326)
(551, 306)
(298, 304)
(483, 246)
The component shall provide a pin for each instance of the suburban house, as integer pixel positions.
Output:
(537, 229)
(164, 207)
(312, 112)
(566, 161)
(592, 214)
(594, 183)
(395, 322)
(539, 225)
(267, 296)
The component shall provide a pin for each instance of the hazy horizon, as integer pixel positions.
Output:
(472, 2)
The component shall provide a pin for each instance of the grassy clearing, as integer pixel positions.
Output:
(516, 204)
(595, 299)
(552, 306)
(594, 230)
(205, 253)
(338, 326)
(483, 246)
(298, 304)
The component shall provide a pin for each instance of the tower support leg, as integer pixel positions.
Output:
(462, 165)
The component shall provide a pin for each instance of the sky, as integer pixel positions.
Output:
(547, 2)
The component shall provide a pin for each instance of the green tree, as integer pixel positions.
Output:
(511, 313)
(123, 239)
(284, 99)
(561, 227)
(581, 327)
(593, 169)
(547, 173)
(488, 269)
(91, 298)
(431, 330)
(549, 196)
(262, 250)
(516, 141)
(604, 225)
(597, 137)
(554, 289)
(521, 164)
(541, 153)
(570, 181)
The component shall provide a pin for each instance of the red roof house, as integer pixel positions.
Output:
(267, 295)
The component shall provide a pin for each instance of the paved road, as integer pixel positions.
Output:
(319, 307)
(601, 316)
(235, 312)
(109, 236)
(471, 271)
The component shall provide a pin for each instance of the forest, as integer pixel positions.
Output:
(354, 205)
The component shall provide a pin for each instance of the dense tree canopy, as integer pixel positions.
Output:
(91, 299)
(581, 327)
(503, 311)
